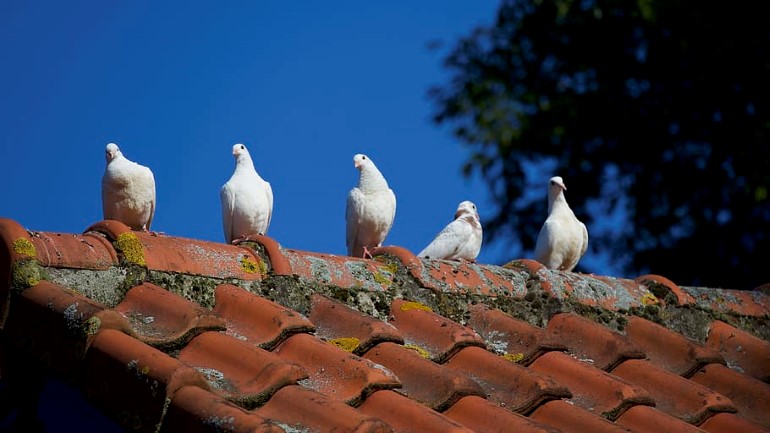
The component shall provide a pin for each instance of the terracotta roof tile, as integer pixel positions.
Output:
(195, 410)
(141, 379)
(750, 396)
(508, 336)
(302, 409)
(239, 371)
(56, 325)
(506, 383)
(591, 341)
(423, 380)
(435, 334)
(674, 394)
(335, 372)
(729, 423)
(570, 418)
(483, 416)
(646, 419)
(343, 325)
(742, 350)
(89, 251)
(250, 337)
(592, 389)
(340, 271)
(408, 416)
(671, 350)
(259, 320)
(160, 318)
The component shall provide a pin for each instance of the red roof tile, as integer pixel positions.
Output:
(160, 318)
(506, 383)
(646, 419)
(239, 371)
(741, 349)
(299, 408)
(591, 341)
(335, 372)
(674, 394)
(163, 333)
(750, 396)
(436, 334)
(195, 410)
(483, 416)
(509, 336)
(343, 325)
(422, 379)
(570, 418)
(592, 389)
(408, 416)
(671, 350)
(256, 319)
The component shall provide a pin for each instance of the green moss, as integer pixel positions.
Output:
(348, 344)
(131, 248)
(24, 247)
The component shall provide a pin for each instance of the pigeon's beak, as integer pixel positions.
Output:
(357, 164)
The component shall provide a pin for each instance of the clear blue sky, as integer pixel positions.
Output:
(304, 86)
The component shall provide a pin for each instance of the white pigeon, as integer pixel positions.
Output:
(247, 199)
(128, 191)
(460, 239)
(371, 209)
(563, 239)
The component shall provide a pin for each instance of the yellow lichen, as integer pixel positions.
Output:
(145, 370)
(25, 247)
(249, 266)
(513, 357)
(422, 352)
(131, 247)
(649, 299)
(348, 344)
(26, 273)
(411, 305)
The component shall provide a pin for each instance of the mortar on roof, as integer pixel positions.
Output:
(195, 288)
(104, 287)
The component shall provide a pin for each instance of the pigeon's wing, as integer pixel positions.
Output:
(546, 241)
(353, 212)
(391, 197)
(269, 194)
(449, 241)
(585, 239)
(227, 196)
(151, 183)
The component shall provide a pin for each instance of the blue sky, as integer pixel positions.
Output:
(304, 86)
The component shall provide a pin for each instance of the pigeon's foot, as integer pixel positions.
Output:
(367, 254)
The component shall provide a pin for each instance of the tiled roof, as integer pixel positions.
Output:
(168, 334)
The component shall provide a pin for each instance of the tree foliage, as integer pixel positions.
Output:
(657, 109)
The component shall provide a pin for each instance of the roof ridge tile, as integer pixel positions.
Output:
(740, 349)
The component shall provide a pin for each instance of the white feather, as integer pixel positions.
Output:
(128, 191)
(458, 240)
(563, 239)
(247, 199)
(370, 210)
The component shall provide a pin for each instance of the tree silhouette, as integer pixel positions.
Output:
(654, 110)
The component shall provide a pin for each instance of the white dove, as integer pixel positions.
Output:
(128, 191)
(247, 199)
(371, 209)
(563, 239)
(460, 239)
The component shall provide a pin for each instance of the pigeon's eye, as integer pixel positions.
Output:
(364, 158)
(243, 147)
(553, 183)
